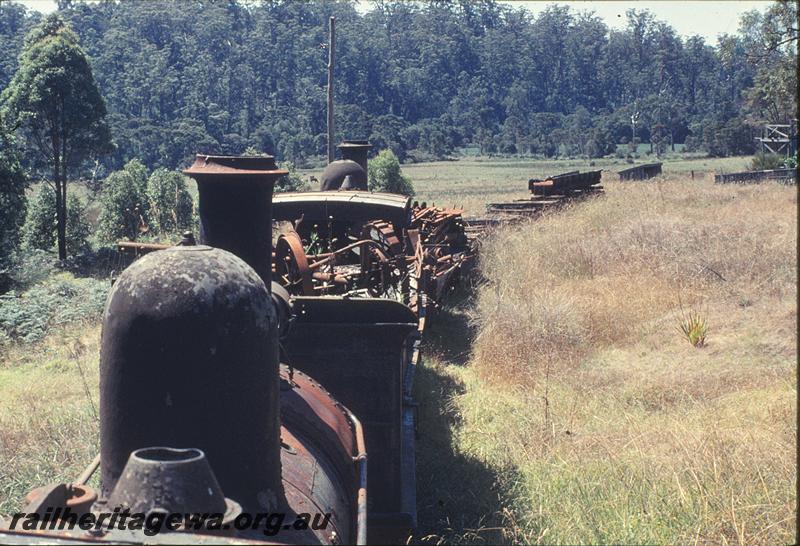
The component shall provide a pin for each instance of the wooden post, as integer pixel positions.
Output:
(331, 47)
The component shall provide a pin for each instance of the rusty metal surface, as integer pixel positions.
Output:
(640, 172)
(547, 194)
(318, 207)
(234, 206)
(363, 346)
(193, 487)
(321, 456)
(344, 175)
(139, 249)
(190, 343)
(444, 248)
(563, 184)
(355, 150)
(785, 176)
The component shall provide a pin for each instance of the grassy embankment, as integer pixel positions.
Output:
(579, 414)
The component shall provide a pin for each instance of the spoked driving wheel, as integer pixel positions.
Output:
(291, 265)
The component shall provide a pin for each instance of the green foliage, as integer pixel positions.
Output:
(54, 102)
(39, 231)
(12, 197)
(170, 204)
(732, 137)
(770, 38)
(123, 204)
(27, 316)
(385, 175)
(78, 228)
(765, 162)
(292, 181)
(460, 74)
(694, 327)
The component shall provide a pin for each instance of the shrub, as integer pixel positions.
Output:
(766, 162)
(27, 316)
(123, 203)
(12, 197)
(292, 181)
(385, 175)
(39, 231)
(78, 227)
(170, 204)
(694, 328)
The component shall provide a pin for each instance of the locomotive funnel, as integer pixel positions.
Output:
(235, 206)
(355, 150)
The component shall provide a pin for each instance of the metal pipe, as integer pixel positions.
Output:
(355, 150)
(331, 255)
(87, 473)
(361, 461)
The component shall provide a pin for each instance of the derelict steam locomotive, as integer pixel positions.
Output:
(223, 391)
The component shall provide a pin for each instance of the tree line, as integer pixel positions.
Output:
(423, 79)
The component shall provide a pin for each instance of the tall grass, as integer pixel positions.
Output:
(48, 411)
(604, 423)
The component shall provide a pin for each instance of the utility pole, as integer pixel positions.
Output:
(331, 47)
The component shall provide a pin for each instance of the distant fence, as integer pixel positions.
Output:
(785, 176)
(641, 172)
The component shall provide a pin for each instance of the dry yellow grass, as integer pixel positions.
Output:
(48, 411)
(604, 423)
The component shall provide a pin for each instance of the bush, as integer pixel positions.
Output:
(124, 203)
(766, 162)
(12, 197)
(27, 316)
(292, 181)
(170, 204)
(385, 175)
(78, 227)
(39, 231)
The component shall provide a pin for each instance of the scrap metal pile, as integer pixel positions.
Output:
(550, 192)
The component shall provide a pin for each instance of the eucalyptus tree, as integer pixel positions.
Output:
(55, 104)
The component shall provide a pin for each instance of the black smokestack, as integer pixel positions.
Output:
(355, 150)
(236, 206)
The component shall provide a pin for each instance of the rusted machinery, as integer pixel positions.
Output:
(198, 394)
(363, 268)
(641, 172)
(197, 415)
(550, 192)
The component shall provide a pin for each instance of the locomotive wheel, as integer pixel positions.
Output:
(291, 265)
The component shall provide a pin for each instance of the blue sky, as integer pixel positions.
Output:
(707, 18)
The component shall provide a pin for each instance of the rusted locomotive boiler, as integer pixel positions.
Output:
(197, 414)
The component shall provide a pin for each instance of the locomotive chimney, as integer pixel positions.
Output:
(355, 150)
(236, 206)
(189, 355)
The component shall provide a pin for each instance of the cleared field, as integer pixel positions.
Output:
(472, 183)
(579, 401)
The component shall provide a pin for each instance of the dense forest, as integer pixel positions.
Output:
(423, 79)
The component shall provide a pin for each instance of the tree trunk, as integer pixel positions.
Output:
(61, 210)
